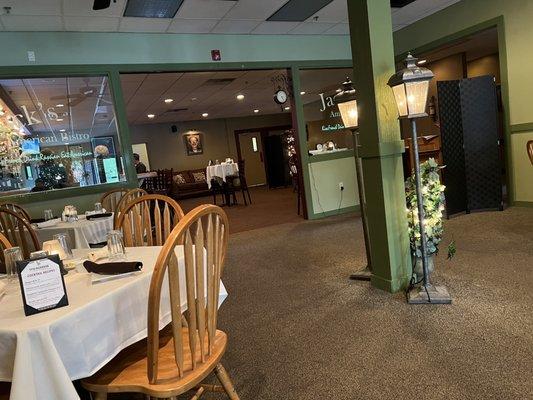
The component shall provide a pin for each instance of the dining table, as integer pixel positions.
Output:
(221, 170)
(82, 233)
(42, 354)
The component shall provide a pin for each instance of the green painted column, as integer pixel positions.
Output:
(381, 145)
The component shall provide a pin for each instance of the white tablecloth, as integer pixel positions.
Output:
(82, 232)
(221, 170)
(42, 354)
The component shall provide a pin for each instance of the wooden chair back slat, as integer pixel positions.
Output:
(18, 232)
(111, 199)
(126, 200)
(204, 235)
(4, 244)
(16, 208)
(146, 214)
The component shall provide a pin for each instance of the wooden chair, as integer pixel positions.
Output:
(529, 147)
(16, 208)
(111, 199)
(149, 220)
(163, 181)
(19, 232)
(4, 244)
(127, 198)
(166, 367)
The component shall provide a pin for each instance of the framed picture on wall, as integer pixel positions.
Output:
(194, 143)
(103, 146)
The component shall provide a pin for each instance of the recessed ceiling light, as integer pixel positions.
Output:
(421, 62)
(59, 119)
(205, 115)
(240, 97)
(151, 116)
(62, 130)
(169, 101)
(287, 108)
(302, 93)
(256, 111)
(60, 105)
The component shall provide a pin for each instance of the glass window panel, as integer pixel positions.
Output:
(401, 102)
(57, 133)
(349, 113)
(325, 127)
(417, 94)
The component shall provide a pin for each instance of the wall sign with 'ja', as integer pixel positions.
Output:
(42, 284)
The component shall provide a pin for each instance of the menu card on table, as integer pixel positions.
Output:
(42, 284)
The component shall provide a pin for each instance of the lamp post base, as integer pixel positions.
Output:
(362, 275)
(429, 295)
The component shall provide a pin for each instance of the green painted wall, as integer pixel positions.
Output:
(515, 35)
(324, 179)
(67, 48)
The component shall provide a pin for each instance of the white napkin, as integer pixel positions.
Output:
(95, 212)
(49, 223)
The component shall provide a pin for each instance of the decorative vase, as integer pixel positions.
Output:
(418, 270)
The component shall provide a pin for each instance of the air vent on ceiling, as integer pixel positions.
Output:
(298, 10)
(218, 81)
(175, 110)
(152, 9)
(400, 3)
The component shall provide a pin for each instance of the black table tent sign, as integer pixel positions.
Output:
(52, 293)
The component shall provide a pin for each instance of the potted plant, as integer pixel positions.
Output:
(433, 193)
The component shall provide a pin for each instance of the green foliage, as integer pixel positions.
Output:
(433, 194)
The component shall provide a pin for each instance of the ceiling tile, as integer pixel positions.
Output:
(32, 7)
(275, 27)
(254, 9)
(131, 24)
(32, 23)
(91, 24)
(339, 29)
(204, 8)
(335, 11)
(85, 8)
(311, 28)
(235, 26)
(192, 25)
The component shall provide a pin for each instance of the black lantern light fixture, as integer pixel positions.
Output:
(346, 100)
(410, 87)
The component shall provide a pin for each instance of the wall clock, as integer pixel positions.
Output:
(280, 97)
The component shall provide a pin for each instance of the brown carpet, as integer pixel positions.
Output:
(269, 207)
(299, 329)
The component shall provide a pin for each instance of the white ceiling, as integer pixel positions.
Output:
(145, 93)
(194, 16)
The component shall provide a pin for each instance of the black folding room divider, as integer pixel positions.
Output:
(470, 144)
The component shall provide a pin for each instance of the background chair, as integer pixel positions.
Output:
(127, 198)
(149, 220)
(16, 208)
(111, 199)
(19, 232)
(165, 367)
(238, 182)
(163, 182)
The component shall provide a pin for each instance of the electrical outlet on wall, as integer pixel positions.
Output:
(341, 186)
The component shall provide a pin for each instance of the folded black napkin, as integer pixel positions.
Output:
(113, 268)
(96, 216)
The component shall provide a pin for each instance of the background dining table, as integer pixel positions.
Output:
(222, 170)
(42, 354)
(82, 233)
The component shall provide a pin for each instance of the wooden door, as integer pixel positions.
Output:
(252, 154)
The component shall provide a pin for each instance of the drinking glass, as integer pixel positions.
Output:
(115, 245)
(38, 254)
(98, 207)
(48, 215)
(63, 240)
(11, 256)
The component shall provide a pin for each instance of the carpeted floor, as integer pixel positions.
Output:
(269, 207)
(299, 329)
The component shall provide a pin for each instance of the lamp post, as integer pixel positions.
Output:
(410, 87)
(347, 102)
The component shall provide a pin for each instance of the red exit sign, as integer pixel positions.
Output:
(215, 55)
